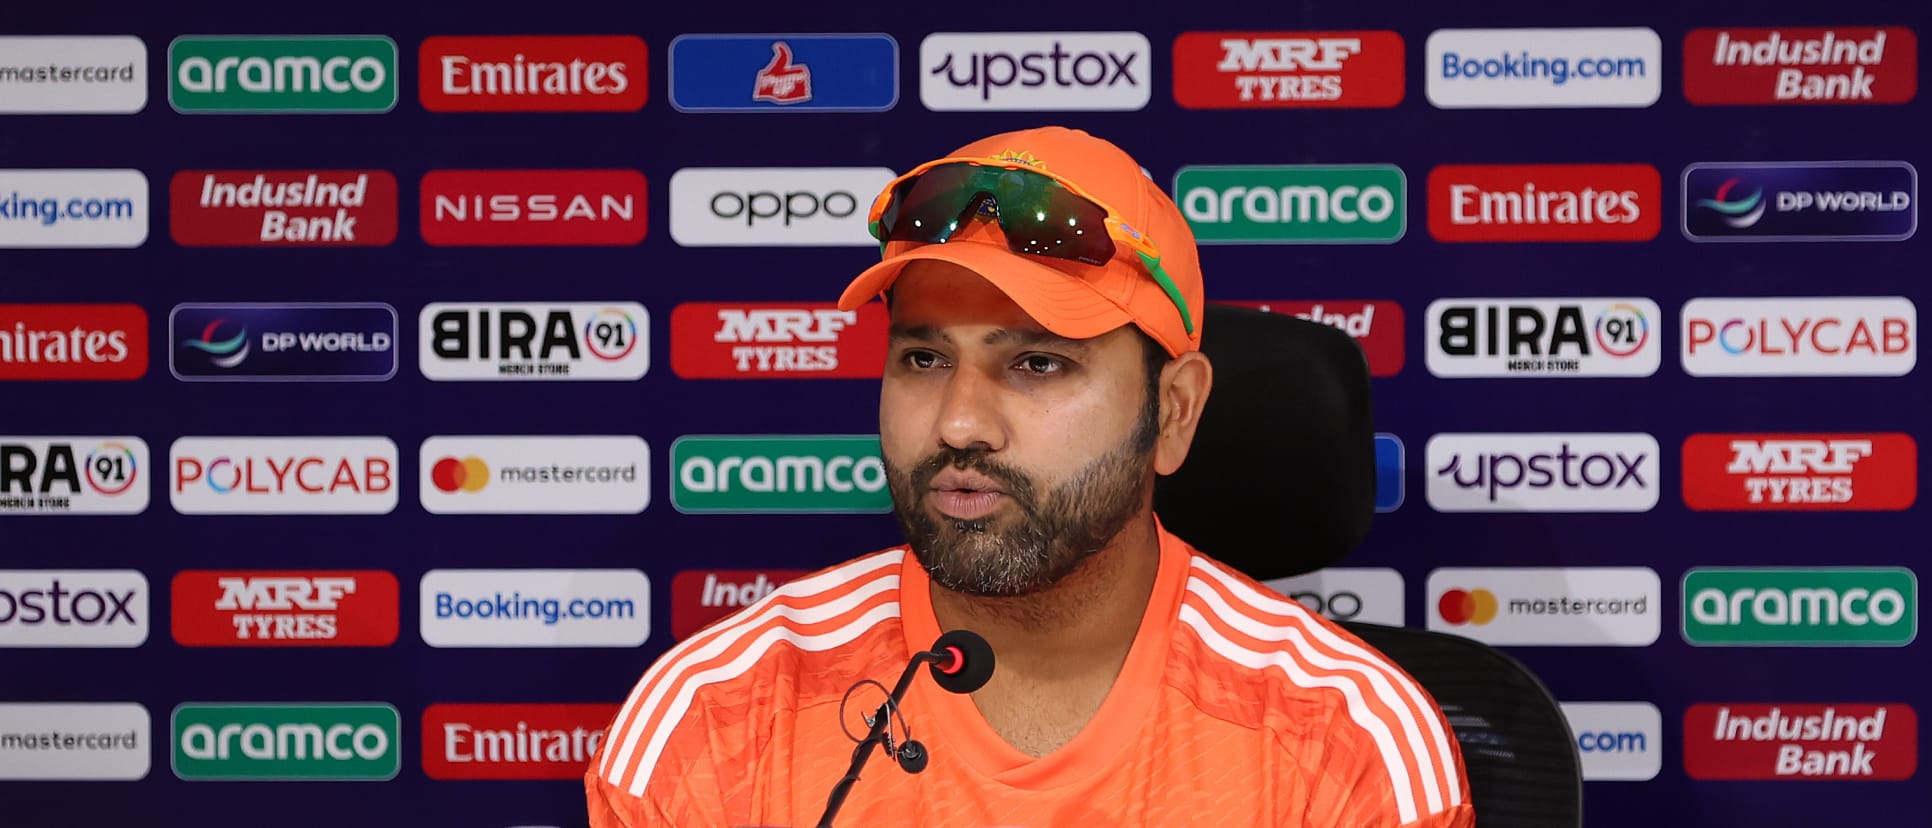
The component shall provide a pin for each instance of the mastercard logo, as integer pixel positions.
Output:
(1473, 606)
(466, 475)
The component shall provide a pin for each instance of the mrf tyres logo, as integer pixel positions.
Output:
(1035, 71)
(1547, 606)
(1288, 70)
(535, 608)
(1545, 203)
(779, 474)
(1801, 201)
(1376, 325)
(1800, 336)
(774, 206)
(590, 73)
(1582, 337)
(1814, 65)
(1841, 742)
(287, 742)
(512, 741)
(73, 608)
(74, 475)
(1310, 204)
(354, 608)
(1543, 68)
(770, 340)
(1542, 472)
(282, 208)
(292, 74)
(463, 341)
(1876, 472)
(1801, 607)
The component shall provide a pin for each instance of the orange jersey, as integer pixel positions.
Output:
(1236, 706)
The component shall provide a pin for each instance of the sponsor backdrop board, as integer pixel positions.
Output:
(381, 391)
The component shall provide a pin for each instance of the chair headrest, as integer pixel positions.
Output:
(1280, 479)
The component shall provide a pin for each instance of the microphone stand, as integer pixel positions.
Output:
(880, 722)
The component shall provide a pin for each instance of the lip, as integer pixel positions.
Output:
(964, 495)
(957, 480)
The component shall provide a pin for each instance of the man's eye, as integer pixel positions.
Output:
(1039, 364)
(921, 359)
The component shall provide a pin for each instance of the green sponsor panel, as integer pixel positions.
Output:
(336, 74)
(287, 742)
(1823, 606)
(1299, 204)
(773, 473)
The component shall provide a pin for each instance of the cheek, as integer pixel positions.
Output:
(1067, 434)
(905, 424)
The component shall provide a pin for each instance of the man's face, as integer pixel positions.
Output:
(1013, 454)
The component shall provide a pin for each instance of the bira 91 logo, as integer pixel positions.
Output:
(1800, 472)
(74, 475)
(1801, 607)
(293, 74)
(742, 473)
(282, 475)
(576, 474)
(1546, 203)
(774, 340)
(512, 741)
(784, 73)
(282, 343)
(261, 608)
(512, 208)
(73, 342)
(527, 341)
(1547, 606)
(591, 73)
(1801, 201)
(282, 208)
(1833, 65)
(1809, 742)
(1376, 325)
(1288, 70)
(1800, 336)
(1537, 472)
(774, 206)
(1543, 337)
(1033, 71)
(700, 598)
(287, 742)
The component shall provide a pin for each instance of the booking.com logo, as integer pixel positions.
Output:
(469, 474)
(1741, 212)
(516, 607)
(1558, 70)
(226, 353)
(1474, 606)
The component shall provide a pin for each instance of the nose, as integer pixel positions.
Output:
(969, 411)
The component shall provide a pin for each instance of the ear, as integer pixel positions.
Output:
(1184, 386)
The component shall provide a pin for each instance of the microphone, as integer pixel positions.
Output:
(960, 662)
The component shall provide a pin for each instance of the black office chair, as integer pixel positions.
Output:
(1281, 481)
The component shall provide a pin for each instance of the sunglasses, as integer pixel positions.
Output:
(1041, 214)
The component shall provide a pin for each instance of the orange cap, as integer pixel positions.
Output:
(1072, 299)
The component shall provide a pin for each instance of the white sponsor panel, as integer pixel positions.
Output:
(1035, 71)
(69, 741)
(534, 340)
(73, 75)
(76, 608)
(535, 608)
(1542, 472)
(1371, 594)
(1553, 337)
(73, 208)
(283, 475)
(1547, 606)
(57, 475)
(602, 475)
(1800, 337)
(1543, 68)
(775, 206)
(1619, 741)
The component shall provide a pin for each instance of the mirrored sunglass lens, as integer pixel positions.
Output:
(1060, 225)
(927, 208)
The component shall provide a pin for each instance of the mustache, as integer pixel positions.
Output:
(1018, 486)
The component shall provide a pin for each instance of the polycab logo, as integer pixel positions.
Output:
(1544, 68)
(1582, 337)
(1035, 71)
(535, 608)
(74, 475)
(73, 342)
(262, 608)
(72, 608)
(1374, 595)
(1804, 336)
(1308, 204)
(536, 475)
(1288, 70)
(1545, 203)
(1376, 325)
(73, 208)
(773, 340)
(700, 598)
(1800, 472)
(1801, 201)
(282, 475)
(529, 341)
(1834, 65)
(73, 75)
(784, 73)
(1619, 741)
(512, 741)
(1841, 742)
(270, 342)
(594, 73)
(1801, 607)
(509, 208)
(774, 206)
(745, 473)
(1547, 606)
(89, 740)
(1542, 472)
(282, 208)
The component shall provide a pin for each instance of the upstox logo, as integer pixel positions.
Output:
(333, 74)
(789, 473)
(1305, 204)
(286, 742)
(1803, 606)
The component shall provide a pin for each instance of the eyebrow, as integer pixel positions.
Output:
(999, 336)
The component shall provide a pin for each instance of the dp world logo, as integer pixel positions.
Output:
(452, 475)
(223, 350)
(1467, 606)
(1733, 207)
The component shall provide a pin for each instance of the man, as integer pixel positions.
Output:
(1043, 367)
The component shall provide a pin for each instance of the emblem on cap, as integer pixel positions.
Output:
(1023, 158)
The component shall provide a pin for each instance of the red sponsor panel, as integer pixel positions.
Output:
(1283, 70)
(1549, 203)
(1377, 325)
(1808, 65)
(700, 597)
(777, 340)
(512, 741)
(73, 342)
(1801, 472)
(1834, 742)
(590, 73)
(284, 608)
(282, 208)
(506, 208)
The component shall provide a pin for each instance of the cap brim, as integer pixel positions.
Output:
(1059, 301)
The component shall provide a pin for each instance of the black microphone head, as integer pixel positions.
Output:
(971, 664)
